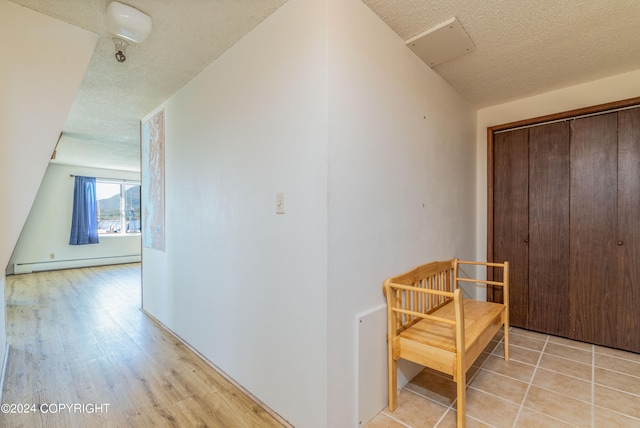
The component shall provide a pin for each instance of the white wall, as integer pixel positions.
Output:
(376, 156)
(48, 226)
(401, 178)
(614, 88)
(38, 82)
(3, 329)
(244, 286)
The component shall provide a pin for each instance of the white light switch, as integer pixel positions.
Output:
(280, 203)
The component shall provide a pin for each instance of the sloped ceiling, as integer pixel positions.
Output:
(37, 84)
(103, 128)
(522, 48)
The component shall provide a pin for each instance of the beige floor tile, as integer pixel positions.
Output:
(434, 386)
(573, 343)
(556, 382)
(617, 353)
(569, 352)
(383, 421)
(567, 367)
(449, 421)
(560, 393)
(482, 358)
(501, 386)
(493, 344)
(531, 419)
(617, 364)
(526, 342)
(490, 409)
(517, 353)
(559, 406)
(417, 411)
(472, 372)
(528, 333)
(623, 382)
(617, 401)
(520, 371)
(607, 419)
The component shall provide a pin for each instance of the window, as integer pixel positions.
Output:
(118, 207)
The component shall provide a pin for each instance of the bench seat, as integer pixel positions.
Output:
(481, 319)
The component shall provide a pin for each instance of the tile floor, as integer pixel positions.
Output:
(548, 382)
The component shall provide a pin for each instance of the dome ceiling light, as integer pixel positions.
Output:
(126, 25)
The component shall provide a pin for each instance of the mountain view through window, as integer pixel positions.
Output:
(118, 207)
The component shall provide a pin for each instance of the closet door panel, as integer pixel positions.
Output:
(510, 217)
(628, 234)
(592, 287)
(549, 170)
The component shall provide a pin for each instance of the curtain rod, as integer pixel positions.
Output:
(115, 180)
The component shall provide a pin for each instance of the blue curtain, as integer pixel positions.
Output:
(84, 223)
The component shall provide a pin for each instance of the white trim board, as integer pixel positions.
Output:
(19, 268)
(371, 364)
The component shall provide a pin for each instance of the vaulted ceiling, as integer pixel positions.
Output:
(522, 48)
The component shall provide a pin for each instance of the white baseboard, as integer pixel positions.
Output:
(19, 268)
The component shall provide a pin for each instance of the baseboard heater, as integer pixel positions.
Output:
(19, 268)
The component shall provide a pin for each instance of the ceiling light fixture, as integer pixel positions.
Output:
(126, 25)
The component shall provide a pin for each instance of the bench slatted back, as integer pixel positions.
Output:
(404, 304)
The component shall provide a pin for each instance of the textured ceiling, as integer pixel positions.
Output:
(525, 47)
(103, 129)
(522, 48)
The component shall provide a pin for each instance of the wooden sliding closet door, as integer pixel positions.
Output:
(564, 210)
(592, 287)
(511, 217)
(628, 233)
(549, 180)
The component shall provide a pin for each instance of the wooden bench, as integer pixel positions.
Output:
(430, 323)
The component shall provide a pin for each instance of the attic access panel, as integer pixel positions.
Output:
(441, 43)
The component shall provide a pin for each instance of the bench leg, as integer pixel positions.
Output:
(506, 341)
(393, 383)
(462, 398)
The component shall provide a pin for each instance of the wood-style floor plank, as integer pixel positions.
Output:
(78, 337)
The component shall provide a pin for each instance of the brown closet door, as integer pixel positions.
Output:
(510, 217)
(549, 167)
(592, 286)
(628, 233)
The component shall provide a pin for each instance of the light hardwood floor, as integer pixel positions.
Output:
(77, 337)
